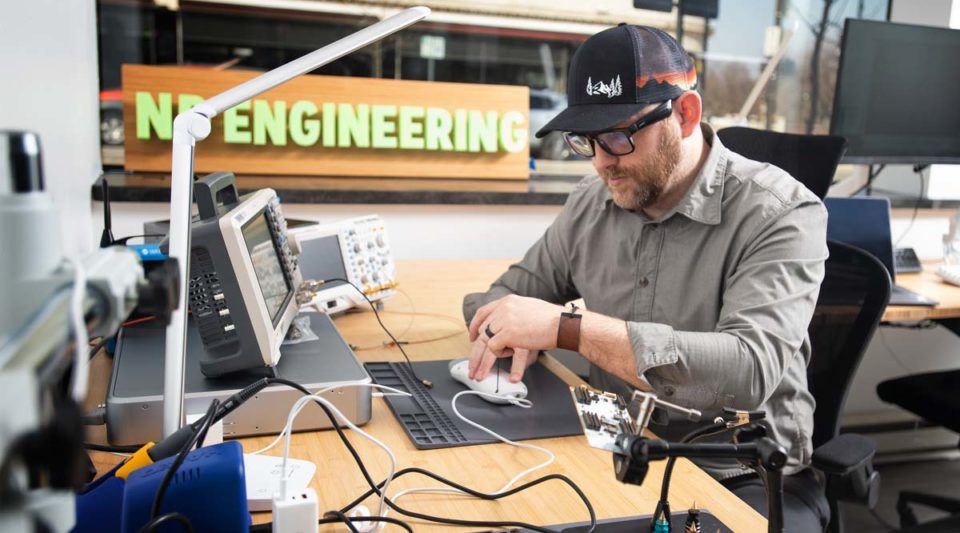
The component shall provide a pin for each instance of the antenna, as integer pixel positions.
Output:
(106, 238)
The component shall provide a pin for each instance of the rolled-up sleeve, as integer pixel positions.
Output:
(544, 272)
(767, 305)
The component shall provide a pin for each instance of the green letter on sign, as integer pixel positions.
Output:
(269, 121)
(353, 126)
(411, 131)
(329, 125)
(233, 121)
(304, 132)
(438, 124)
(383, 131)
(512, 135)
(483, 131)
(185, 102)
(159, 115)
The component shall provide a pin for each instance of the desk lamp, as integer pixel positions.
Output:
(194, 125)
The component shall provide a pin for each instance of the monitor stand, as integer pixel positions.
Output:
(135, 394)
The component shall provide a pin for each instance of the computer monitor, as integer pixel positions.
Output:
(244, 276)
(897, 95)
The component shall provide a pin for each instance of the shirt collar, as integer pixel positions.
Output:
(704, 199)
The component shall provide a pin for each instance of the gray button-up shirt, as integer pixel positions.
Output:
(717, 293)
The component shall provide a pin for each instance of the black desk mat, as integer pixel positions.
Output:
(708, 524)
(429, 421)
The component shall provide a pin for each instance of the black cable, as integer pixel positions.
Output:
(111, 449)
(106, 237)
(216, 411)
(123, 240)
(871, 175)
(168, 476)
(477, 494)
(375, 488)
(343, 518)
(96, 348)
(202, 433)
(151, 525)
(426, 383)
(268, 527)
(712, 429)
(916, 206)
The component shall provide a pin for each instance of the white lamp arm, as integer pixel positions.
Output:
(194, 125)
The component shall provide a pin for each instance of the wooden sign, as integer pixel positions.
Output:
(332, 126)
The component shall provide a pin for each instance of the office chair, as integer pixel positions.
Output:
(933, 397)
(853, 296)
(811, 159)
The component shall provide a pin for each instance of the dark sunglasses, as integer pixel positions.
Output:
(617, 141)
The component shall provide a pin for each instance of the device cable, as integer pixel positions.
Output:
(158, 521)
(106, 237)
(240, 397)
(110, 449)
(343, 518)
(283, 432)
(81, 362)
(268, 527)
(375, 487)
(522, 403)
(717, 427)
(918, 169)
(330, 409)
(123, 240)
(168, 476)
(426, 383)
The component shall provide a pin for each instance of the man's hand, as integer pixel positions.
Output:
(521, 327)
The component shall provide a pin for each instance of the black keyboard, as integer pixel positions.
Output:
(905, 260)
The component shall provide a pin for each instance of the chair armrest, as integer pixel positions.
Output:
(844, 454)
(847, 462)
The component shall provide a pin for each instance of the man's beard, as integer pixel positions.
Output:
(645, 183)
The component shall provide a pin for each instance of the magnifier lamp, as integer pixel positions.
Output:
(194, 125)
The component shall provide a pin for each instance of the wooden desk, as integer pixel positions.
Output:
(437, 287)
(929, 284)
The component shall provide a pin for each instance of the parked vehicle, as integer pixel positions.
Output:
(544, 105)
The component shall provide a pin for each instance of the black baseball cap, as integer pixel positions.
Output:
(619, 71)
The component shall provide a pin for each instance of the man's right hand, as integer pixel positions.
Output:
(482, 360)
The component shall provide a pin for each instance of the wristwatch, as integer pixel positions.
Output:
(568, 333)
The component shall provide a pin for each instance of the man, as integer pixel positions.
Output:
(700, 268)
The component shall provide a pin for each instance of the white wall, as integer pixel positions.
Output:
(416, 231)
(48, 53)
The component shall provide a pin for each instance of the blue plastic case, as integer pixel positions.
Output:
(209, 489)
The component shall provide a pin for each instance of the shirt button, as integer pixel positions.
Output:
(668, 390)
(644, 281)
(654, 226)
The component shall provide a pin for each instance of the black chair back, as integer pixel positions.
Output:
(853, 296)
(811, 159)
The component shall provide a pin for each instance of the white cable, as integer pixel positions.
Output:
(523, 403)
(362, 511)
(286, 445)
(81, 364)
(283, 432)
